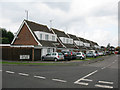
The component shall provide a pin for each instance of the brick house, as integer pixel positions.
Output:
(37, 36)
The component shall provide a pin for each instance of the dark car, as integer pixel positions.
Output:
(108, 53)
(67, 55)
(73, 55)
(118, 52)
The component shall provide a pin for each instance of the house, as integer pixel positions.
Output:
(66, 41)
(96, 46)
(34, 40)
(77, 41)
(37, 36)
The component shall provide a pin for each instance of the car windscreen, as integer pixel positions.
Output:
(60, 54)
(53, 53)
(48, 54)
(78, 53)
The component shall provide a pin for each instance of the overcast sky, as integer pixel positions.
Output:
(96, 20)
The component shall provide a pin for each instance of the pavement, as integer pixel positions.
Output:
(102, 73)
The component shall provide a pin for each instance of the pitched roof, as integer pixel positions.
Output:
(38, 27)
(50, 44)
(71, 46)
(73, 37)
(82, 39)
(59, 33)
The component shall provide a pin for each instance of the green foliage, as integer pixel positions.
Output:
(6, 37)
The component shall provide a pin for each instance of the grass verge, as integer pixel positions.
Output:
(25, 63)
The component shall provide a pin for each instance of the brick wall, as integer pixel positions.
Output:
(25, 37)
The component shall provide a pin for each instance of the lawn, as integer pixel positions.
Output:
(36, 63)
(46, 63)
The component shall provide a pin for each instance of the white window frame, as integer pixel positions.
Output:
(46, 38)
(41, 36)
(53, 38)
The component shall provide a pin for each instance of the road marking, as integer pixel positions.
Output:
(103, 68)
(82, 83)
(109, 64)
(103, 86)
(106, 82)
(40, 77)
(87, 80)
(10, 72)
(0, 70)
(59, 80)
(78, 81)
(23, 74)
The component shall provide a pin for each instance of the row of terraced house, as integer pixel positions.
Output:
(40, 40)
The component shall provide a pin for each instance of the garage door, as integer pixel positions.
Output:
(37, 54)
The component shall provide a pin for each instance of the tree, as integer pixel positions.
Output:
(6, 37)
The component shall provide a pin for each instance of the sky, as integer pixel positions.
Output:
(95, 20)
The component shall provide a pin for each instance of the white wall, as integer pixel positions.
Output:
(43, 35)
(64, 40)
(87, 44)
(79, 43)
(96, 46)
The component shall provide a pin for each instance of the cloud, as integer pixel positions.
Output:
(89, 19)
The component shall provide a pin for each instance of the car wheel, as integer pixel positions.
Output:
(81, 58)
(43, 59)
(55, 59)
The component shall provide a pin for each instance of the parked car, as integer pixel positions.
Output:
(80, 55)
(116, 52)
(53, 56)
(100, 53)
(73, 55)
(67, 55)
(108, 53)
(91, 54)
(104, 53)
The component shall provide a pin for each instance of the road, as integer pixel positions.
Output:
(102, 74)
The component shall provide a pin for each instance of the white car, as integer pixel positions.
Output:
(80, 55)
(100, 53)
(53, 56)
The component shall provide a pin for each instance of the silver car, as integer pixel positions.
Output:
(80, 55)
(53, 56)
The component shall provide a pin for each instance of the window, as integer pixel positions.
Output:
(53, 53)
(40, 36)
(53, 38)
(48, 54)
(63, 40)
(67, 41)
(71, 42)
(46, 37)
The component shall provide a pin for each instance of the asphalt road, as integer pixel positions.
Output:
(102, 74)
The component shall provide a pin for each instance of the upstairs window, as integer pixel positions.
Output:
(63, 40)
(67, 41)
(40, 36)
(46, 37)
(53, 38)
